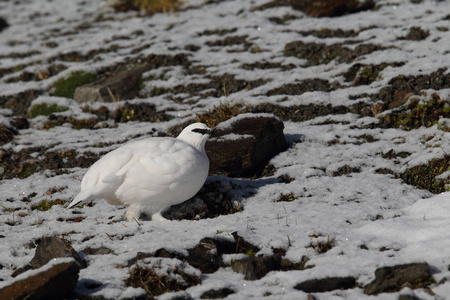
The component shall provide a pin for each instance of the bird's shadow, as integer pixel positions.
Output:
(220, 195)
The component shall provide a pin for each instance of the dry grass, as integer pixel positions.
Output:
(221, 113)
(156, 283)
(149, 6)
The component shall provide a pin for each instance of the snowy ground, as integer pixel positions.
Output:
(357, 209)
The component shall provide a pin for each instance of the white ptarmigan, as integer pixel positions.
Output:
(150, 175)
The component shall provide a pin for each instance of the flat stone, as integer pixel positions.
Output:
(123, 84)
(56, 280)
(392, 279)
(326, 284)
(50, 248)
(242, 146)
(217, 294)
(331, 8)
(257, 267)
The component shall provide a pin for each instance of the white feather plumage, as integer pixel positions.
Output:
(150, 175)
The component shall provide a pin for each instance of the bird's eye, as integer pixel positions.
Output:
(202, 131)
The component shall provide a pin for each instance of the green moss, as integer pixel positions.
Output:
(19, 68)
(329, 56)
(45, 205)
(65, 87)
(76, 123)
(424, 176)
(416, 114)
(45, 109)
(26, 170)
(370, 73)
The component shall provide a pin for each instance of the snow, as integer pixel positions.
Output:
(362, 208)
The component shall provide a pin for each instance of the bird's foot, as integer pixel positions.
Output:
(132, 213)
(158, 217)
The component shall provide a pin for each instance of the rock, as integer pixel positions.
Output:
(330, 8)
(326, 284)
(392, 279)
(20, 102)
(242, 146)
(20, 123)
(50, 248)
(123, 84)
(96, 251)
(55, 280)
(287, 265)
(54, 247)
(205, 256)
(3, 24)
(217, 294)
(6, 134)
(408, 297)
(257, 267)
(242, 246)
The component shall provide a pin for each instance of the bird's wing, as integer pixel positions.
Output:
(104, 177)
(157, 169)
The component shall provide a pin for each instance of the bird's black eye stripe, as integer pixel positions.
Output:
(202, 131)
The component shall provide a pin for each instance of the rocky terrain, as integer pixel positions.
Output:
(329, 165)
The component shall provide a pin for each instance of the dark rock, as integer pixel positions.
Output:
(257, 267)
(242, 246)
(287, 265)
(392, 279)
(143, 112)
(326, 284)
(6, 134)
(8, 131)
(345, 170)
(96, 251)
(49, 248)
(402, 87)
(54, 282)
(122, 84)
(158, 253)
(245, 157)
(308, 85)
(300, 113)
(205, 256)
(20, 102)
(408, 297)
(215, 198)
(3, 24)
(20, 123)
(213, 88)
(54, 247)
(330, 8)
(180, 296)
(416, 34)
(217, 294)
(322, 8)
(321, 53)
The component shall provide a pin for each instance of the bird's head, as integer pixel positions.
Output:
(196, 134)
